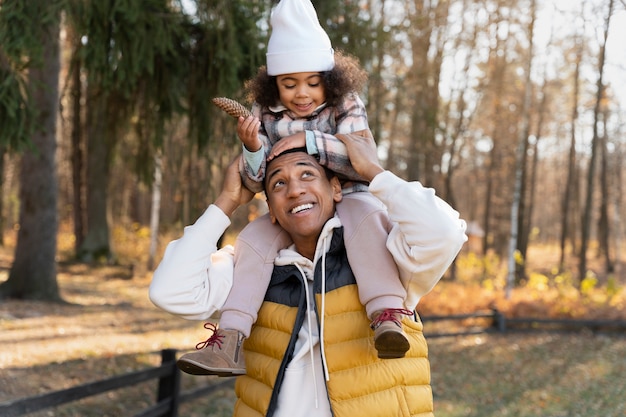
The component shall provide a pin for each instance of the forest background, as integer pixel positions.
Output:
(511, 110)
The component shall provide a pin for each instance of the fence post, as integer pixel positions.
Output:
(169, 386)
(499, 321)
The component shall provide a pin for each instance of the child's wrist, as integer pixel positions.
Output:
(253, 147)
(311, 144)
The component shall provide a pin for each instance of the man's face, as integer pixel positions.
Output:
(300, 196)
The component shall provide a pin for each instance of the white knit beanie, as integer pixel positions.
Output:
(297, 43)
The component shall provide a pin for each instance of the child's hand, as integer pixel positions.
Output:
(248, 132)
(297, 140)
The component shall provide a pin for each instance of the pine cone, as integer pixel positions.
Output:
(231, 107)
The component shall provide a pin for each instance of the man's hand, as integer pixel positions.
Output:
(362, 153)
(248, 132)
(233, 193)
(297, 140)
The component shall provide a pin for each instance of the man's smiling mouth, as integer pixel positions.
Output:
(301, 208)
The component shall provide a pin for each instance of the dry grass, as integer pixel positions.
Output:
(110, 327)
(529, 375)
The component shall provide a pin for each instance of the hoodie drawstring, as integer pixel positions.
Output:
(308, 318)
(323, 309)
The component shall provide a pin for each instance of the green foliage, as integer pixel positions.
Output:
(15, 112)
(149, 60)
(351, 28)
(125, 39)
(135, 55)
(21, 26)
(227, 46)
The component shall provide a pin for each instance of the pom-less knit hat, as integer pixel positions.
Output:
(297, 43)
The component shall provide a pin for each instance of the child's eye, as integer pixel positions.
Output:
(314, 85)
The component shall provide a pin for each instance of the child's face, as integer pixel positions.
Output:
(301, 92)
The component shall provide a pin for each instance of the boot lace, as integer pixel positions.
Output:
(215, 338)
(390, 314)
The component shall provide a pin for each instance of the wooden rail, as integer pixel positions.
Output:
(168, 392)
(498, 322)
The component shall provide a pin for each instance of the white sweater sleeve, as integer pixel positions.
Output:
(426, 236)
(194, 277)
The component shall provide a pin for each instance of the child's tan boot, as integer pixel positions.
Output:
(221, 354)
(389, 338)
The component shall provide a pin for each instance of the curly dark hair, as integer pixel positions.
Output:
(347, 76)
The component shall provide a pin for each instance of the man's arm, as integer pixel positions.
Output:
(233, 193)
(194, 277)
(427, 233)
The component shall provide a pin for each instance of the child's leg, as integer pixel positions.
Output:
(256, 249)
(366, 228)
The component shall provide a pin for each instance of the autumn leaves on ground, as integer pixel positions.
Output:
(109, 327)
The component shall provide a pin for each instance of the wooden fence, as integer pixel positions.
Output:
(495, 321)
(169, 396)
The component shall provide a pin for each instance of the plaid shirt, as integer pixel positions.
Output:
(278, 122)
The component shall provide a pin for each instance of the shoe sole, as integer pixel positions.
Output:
(391, 345)
(195, 368)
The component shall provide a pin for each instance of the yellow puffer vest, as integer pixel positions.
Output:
(360, 384)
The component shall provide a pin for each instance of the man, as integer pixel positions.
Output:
(310, 351)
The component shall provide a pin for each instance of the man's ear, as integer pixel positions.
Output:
(336, 185)
(271, 213)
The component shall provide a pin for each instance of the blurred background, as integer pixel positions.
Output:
(511, 110)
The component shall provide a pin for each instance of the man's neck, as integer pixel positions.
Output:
(306, 248)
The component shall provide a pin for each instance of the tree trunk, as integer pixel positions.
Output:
(603, 222)
(517, 208)
(586, 221)
(76, 144)
(33, 274)
(523, 221)
(496, 79)
(532, 184)
(428, 20)
(376, 88)
(571, 163)
(155, 209)
(2, 217)
(96, 246)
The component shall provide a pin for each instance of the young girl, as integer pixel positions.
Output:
(303, 97)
